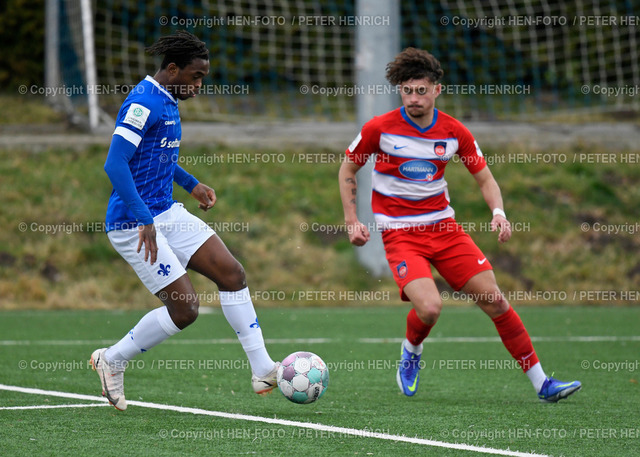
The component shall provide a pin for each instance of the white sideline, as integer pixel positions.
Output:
(83, 405)
(496, 339)
(308, 425)
(430, 340)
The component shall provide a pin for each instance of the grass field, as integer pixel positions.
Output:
(575, 225)
(470, 391)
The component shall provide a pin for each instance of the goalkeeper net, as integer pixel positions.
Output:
(284, 59)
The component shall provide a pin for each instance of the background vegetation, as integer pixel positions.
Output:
(276, 214)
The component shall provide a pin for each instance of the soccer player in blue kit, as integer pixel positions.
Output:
(156, 235)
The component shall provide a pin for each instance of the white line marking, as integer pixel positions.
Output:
(496, 339)
(84, 405)
(452, 339)
(285, 422)
(170, 341)
(56, 342)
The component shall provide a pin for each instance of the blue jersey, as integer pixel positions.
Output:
(145, 144)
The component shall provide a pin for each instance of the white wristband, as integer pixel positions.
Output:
(499, 211)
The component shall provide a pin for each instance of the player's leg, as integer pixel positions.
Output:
(412, 273)
(167, 279)
(427, 304)
(180, 310)
(484, 289)
(465, 268)
(214, 261)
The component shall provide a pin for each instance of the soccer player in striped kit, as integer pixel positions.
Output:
(412, 146)
(156, 235)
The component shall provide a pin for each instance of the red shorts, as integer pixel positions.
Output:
(410, 253)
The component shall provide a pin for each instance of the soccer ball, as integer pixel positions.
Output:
(303, 377)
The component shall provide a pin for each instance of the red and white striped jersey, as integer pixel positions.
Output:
(408, 182)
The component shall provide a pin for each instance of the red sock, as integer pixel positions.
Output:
(516, 339)
(417, 330)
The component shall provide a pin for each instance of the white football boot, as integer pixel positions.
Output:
(112, 379)
(265, 384)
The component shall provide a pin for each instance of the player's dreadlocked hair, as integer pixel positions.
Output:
(413, 63)
(180, 48)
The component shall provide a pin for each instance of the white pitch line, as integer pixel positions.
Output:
(496, 339)
(452, 339)
(83, 405)
(308, 425)
(170, 341)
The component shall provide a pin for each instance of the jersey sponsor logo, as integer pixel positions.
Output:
(402, 269)
(137, 116)
(164, 143)
(480, 262)
(418, 170)
(169, 122)
(395, 146)
(440, 148)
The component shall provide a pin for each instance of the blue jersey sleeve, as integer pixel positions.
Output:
(136, 116)
(117, 168)
(184, 179)
(143, 156)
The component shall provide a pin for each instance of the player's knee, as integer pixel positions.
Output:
(186, 313)
(233, 278)
(191, 312)
(429, 311)
(493, 303)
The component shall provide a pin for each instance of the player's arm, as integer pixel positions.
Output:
(358, 232)
(201, 192)
(117, 168)
(492, 195)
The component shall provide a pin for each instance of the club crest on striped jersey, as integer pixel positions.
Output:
(418, 170)
(440, 148)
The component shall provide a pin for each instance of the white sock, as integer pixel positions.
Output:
(154, 327)
(536, 376)
(411, 348)
(238, 309)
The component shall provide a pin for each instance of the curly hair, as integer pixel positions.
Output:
(413, 63)
(180, 48)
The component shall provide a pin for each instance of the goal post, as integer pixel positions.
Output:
(70, 62)
(90, 63)
(376, 45)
